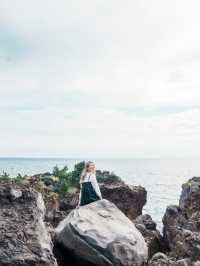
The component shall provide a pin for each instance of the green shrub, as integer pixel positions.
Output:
(61, 173)
(107, 177)
(75, 174)
(64, 181)
(4, 177)
(64, 186)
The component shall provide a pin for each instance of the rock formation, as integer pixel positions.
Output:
(24, 239)
(152, 236)
(129, 199)
(182, 223)
(100, 234)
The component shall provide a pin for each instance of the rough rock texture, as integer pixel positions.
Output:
(161, 259)
(100, 234)
(190, 201)
(24, 240)
(152, 236)
(182, 223)
(57, 210)
(69, 202)
(129, 199)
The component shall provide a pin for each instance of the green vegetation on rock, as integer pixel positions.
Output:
(75, 174)
(5, 176)
(68, 179)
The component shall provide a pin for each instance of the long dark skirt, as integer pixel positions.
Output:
(88, 194)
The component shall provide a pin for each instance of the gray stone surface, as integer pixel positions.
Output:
(99, 233)
(24, 239)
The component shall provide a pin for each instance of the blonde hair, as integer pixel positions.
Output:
(85, 170)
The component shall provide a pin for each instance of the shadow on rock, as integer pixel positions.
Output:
(67, 258)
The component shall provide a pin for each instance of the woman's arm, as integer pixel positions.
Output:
(95, 185)
(80, 182)
(79, 200)
(81, 179)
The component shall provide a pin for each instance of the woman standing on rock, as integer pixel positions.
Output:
(89, 188)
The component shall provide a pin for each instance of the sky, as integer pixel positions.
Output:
(100, 78)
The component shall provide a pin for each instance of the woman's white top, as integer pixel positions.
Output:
(91, 177)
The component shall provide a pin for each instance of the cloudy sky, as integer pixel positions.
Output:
(100, 78)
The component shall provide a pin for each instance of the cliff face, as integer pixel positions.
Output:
(24, 239)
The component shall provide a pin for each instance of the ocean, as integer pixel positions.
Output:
(162, 178)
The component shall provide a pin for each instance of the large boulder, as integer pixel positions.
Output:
(24, 239)
(182, 223)
(100, 234)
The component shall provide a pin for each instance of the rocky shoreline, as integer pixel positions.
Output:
(38, 228)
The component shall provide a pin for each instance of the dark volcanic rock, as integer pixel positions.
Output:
(152, 236)
(161, 259)
(190, 201)
(182, 223)
(129, 199)
(101, 235)
(24, 239)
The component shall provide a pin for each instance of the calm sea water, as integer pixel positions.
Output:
(161, 177)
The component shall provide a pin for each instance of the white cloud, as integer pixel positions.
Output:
(100, 78)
